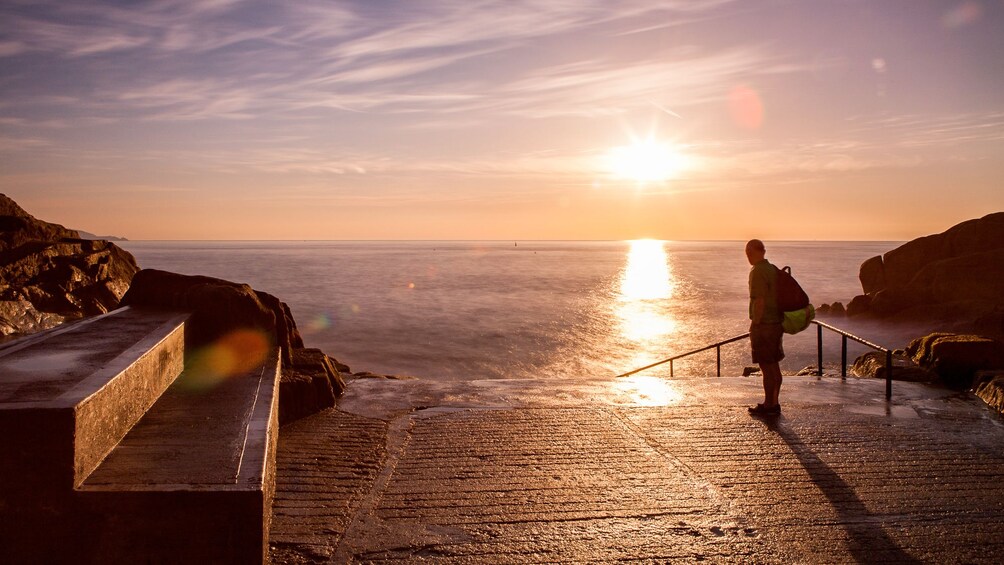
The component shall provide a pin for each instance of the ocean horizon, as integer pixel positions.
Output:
(498, 309)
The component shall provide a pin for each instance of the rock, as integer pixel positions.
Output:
(309, 384)
(218, 307)
(48, 276)
(21, 316)
(956, 358)
(989, 386)
(971, 277)
(990, 323)
(888, 302)
(872, 275)
(340, 367)
(747, 371)
(904, 262)
(872, 365)
(823, 309)
(860, 304)
(18, 227)
(811, 370)
(962, 266)
(837, 309)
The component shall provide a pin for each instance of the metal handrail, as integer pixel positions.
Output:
(716, 346)
(845, 335)
(843, 353)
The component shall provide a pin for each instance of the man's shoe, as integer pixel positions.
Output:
(761, 410)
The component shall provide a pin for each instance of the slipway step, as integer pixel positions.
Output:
(68, 395)
(194, 479)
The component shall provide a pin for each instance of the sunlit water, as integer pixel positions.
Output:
(476, 310)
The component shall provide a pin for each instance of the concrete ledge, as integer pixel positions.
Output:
(68, 396)
(194, 480)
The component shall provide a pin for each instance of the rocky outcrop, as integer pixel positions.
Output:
(310, 384)
(872, 275)
(943, 278)
(956, 358)
(49, 276)
(989, 386)
(836, 309)
(217, 306)
(859, 305)
(18, 227)
(310, 379)
(873, 365)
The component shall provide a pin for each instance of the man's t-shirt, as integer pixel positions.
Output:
(763, 283)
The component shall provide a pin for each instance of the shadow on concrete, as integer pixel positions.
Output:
(867, 541)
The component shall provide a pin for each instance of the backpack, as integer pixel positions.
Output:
(790, 295)
(793, 303)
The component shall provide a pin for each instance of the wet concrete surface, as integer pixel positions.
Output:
(641, 469)
(194, 436)
(38, 369)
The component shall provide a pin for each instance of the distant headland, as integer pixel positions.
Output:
(89, 235)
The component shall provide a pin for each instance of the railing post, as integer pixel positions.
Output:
(819, 350)
(888, 374)
(670, 368)
(718, 351)
(843, 357)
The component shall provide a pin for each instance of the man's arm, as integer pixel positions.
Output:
(759, 287)
(758, 308)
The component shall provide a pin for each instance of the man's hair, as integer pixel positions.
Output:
(755, 244)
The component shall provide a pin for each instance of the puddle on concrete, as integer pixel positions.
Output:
(648, 391)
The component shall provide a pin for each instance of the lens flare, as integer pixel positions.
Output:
(746, 107)
(962, 15)
(318, 323)
(233, 354)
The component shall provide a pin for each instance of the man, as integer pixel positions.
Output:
(765, 327)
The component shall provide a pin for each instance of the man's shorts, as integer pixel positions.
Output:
(765, 340)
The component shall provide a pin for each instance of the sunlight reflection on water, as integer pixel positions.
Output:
(647, 287)
(647, 275)
(648, 391)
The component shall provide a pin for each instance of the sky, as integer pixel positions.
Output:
(510, 119)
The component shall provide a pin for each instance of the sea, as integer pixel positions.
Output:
(471, 310)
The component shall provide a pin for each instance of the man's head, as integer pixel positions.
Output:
(755, 251)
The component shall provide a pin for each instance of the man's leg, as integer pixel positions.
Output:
(771, 384)
(764, 367)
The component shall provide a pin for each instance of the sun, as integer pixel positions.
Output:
(645, 160)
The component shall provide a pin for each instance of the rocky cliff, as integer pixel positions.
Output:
(945, 281)
(222, 309)
(49, 275)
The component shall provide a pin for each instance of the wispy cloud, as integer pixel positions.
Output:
(318, 54)
(504, 96)
(10, 143)
(919, 131)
